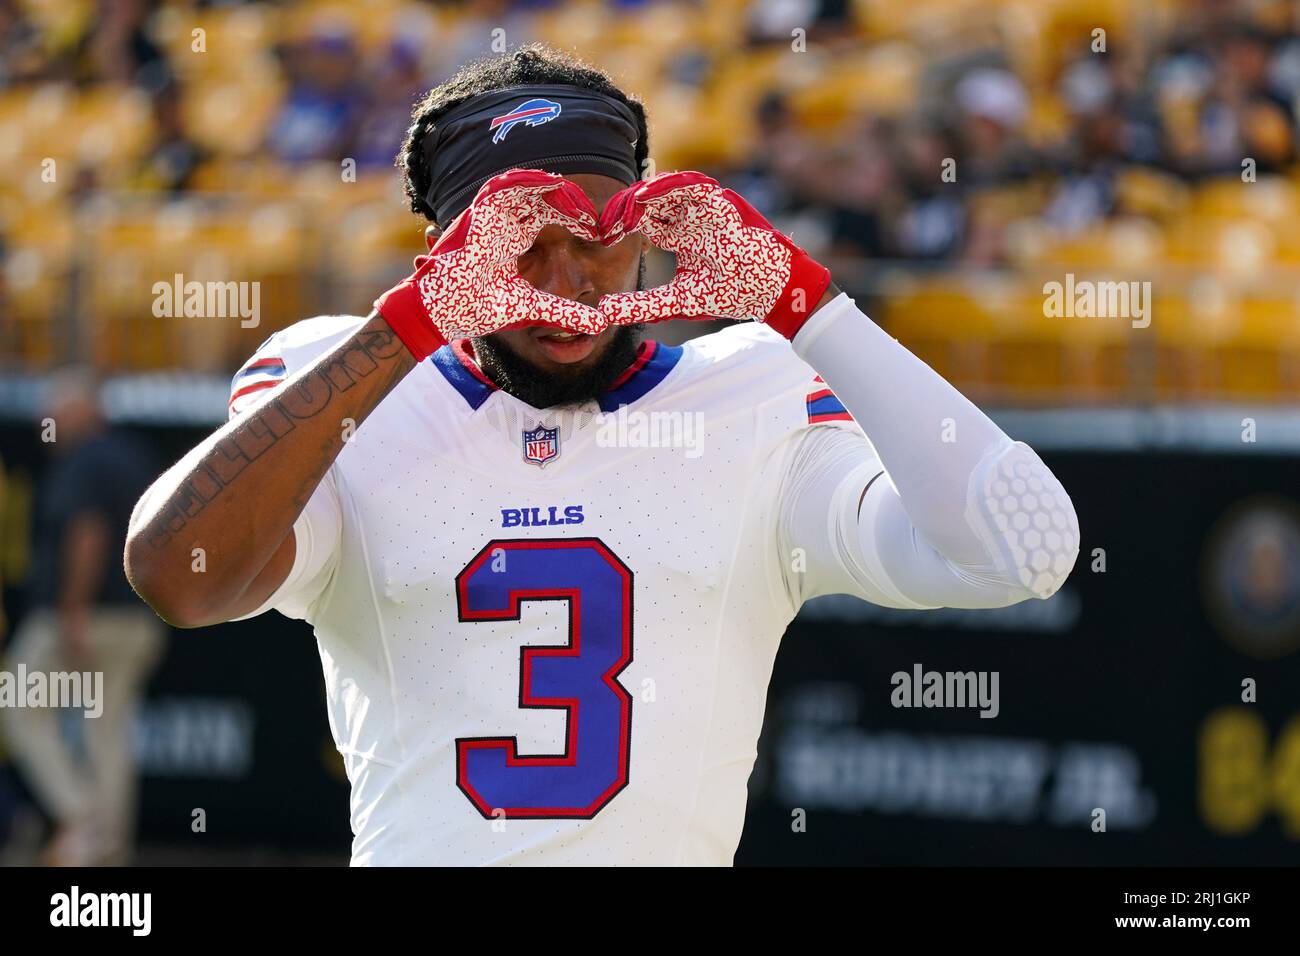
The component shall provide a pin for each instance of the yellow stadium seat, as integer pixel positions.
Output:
(1219, 341)
(241, 38)
(1271, 199)
(1238, 247)
(688, 129)
(44, 112)
(947, 326)
(993, 337)
(223, 43)
(42, 241)
(312, 18)
(692, 127)
(324, 194)
(1144, 192)
(914, 19)
(663, 27)
(741, 79)
(1176, 369)
(1287, 248)
(1047, 121)
(1070, 24)
(881, 82)
(1121, 244)
(1258, 353)
(378, 242)
(113, 128)
(585, 28)
(231, 118)
(141, 244)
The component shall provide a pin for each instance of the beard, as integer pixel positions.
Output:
(540, 389)
(526, 382)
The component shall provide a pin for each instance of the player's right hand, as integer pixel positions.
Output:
(469, 284)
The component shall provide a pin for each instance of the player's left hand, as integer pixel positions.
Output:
(731, 262)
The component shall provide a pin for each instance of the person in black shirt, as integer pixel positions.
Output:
(84, 618)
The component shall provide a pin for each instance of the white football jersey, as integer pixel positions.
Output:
(547, 635)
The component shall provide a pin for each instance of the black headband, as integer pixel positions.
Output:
(556, 128)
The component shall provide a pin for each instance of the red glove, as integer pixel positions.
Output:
(731, 262)
(469, 284)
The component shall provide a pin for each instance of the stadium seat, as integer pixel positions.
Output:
(947, 326)
(113, 128)
(1271, 199)
(1257, 355)
(585, 27)
(231, 118)
(880, 82)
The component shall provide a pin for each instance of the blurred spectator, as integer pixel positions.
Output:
(324, 101)
(118, 47)
(932, 223)
(84, 617)
(1245, 115)
(774, 21)
(992, 108)
(20, 53)
(19, 825)
(864, 197)
(785, 172)
(173, 158)
(398, 82)
(481, 24)
(1094, 152)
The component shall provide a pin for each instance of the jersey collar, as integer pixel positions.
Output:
(652, 364)
(453, 361)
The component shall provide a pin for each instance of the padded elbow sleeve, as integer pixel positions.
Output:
(1025, 518)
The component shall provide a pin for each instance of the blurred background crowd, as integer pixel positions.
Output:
(1142, 141)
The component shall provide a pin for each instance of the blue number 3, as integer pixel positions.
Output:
(580, 677)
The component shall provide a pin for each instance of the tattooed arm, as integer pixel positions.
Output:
(238, 494)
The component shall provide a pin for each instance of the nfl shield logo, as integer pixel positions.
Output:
(541, 445)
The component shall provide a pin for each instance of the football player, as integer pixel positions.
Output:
(547, 615)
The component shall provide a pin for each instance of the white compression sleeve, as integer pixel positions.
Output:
(840, 542)
(984, 503)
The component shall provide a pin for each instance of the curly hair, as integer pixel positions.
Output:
(532, 63)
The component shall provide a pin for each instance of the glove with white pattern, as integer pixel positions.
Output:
(469, 284)
(731, 262)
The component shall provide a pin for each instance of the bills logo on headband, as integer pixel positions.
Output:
(541, 445)
(531, 113)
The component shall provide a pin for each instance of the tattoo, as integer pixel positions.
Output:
(302, 399)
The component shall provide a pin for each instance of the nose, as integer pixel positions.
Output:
(553, 265)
